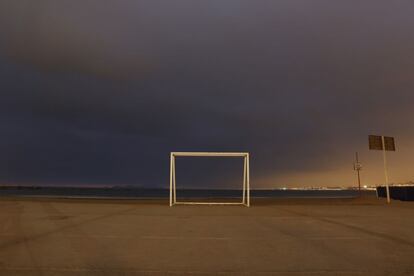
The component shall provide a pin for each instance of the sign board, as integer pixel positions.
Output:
(389, 143)
(375, 143)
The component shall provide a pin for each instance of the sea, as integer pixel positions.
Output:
(131, 193)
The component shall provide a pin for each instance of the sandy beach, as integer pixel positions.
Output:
(41, 236)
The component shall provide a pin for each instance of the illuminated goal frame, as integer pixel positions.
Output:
(246, 177)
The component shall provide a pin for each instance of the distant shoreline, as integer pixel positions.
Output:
(31, 187)
(157, 193)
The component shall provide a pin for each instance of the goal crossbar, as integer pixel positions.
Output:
(246, 177)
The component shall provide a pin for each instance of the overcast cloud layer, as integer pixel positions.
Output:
(99, 92)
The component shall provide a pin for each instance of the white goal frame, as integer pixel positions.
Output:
(246, 177)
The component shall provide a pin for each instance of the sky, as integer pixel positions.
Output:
(100, 92)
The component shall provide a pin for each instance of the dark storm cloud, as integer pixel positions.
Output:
(101, 91)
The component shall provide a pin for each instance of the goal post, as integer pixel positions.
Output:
(246, 176)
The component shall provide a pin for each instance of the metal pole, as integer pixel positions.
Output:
(385, 169)
(248, 180)
(174, 183)
(244, 179)
(171, 177)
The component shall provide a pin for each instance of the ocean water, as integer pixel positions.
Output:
(164, 193)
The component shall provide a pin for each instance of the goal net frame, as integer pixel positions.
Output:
(246, 177)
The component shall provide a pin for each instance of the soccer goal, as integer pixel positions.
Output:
(246, 176)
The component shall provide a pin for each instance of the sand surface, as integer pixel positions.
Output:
(146, 237)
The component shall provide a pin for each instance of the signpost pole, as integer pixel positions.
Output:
(385, 169)
(358, 169)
